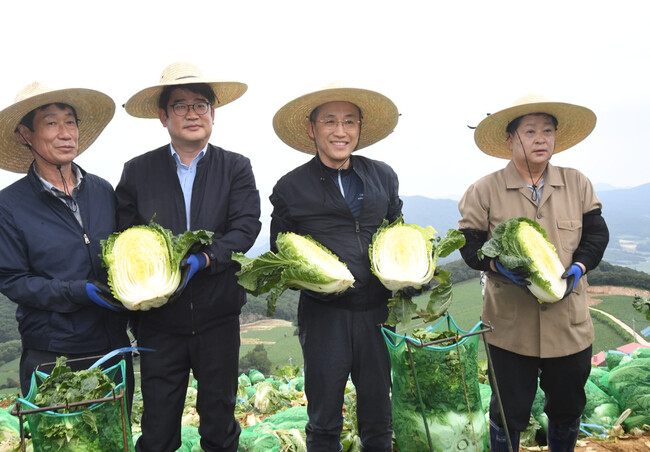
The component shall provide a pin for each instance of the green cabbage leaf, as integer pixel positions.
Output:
(300, 263)
(143, 263)
(522, 242)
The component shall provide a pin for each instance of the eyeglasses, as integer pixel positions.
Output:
(331, 124)
(200, 108)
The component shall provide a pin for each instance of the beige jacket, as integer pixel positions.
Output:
(521, 324)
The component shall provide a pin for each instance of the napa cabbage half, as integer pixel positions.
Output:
(522, 242)
(404, 256)
(300, 263)
(143, 263)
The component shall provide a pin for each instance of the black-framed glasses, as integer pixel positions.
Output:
(331, 124)
(200, 108)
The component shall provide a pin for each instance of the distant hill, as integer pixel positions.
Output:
(627, 213)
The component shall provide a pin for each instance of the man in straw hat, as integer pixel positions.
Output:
(191, 184)
(340, 200)
(51, 224)
(530, 338)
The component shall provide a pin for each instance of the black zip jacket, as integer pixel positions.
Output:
(225, 201)
(308, 202)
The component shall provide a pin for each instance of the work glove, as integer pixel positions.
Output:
(189, 266)
(572, 275)
(101, 295)
(517, 275)
(411, 292)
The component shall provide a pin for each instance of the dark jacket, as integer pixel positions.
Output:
(225, 200)
(306, 201)
(46, 258)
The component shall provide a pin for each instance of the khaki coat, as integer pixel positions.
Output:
(521, 324)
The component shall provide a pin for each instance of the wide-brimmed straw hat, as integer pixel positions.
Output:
(94, 111)
(379, 116)
(575, 123)
(144, 104)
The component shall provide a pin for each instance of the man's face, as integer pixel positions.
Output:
(537, 134)
(191, 131)
(335, 140)
(55, 136)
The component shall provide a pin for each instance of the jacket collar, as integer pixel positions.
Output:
(514, 180)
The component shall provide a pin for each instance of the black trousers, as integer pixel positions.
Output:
(562, 379)
(336, 344)
(213, 358)
(32, 359)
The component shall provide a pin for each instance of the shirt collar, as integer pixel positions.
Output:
(514, 180)
(177, 157)
(51, 187)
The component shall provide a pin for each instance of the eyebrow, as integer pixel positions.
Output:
(183, 99)
(57, 113)
(532, 124)
(349, 115)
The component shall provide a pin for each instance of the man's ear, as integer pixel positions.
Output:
(310, 129)
(21, 132)
(162, 115)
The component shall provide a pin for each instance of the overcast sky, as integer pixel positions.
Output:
(444, 64)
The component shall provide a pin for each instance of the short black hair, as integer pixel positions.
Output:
(514, 124)
(202, 89)
(28, 119)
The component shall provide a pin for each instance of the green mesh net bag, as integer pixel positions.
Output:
(436, 399)
(85, 425)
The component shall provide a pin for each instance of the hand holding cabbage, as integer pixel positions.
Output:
(404, 257)
(144, 263)
(300, 263)
(521, 242)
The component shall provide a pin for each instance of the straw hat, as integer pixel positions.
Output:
(378, 111)
(144, 104)
(575, 123)
(94, 110)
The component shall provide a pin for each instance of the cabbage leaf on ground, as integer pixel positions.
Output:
(522, 242)
(300, 263)
(405, 256)
(143, 263)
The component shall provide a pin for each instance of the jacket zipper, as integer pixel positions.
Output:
(357, 229)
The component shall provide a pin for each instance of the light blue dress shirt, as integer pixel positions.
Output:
(186, 175)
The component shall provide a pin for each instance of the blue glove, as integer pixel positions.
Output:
(411, 292)
(189, 266)
(102, 296)
(572, 275)
(517, 275)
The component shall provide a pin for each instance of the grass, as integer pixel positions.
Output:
(620, 306)
(280, 343)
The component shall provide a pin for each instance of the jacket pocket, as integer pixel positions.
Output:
(578, 309)
(499, 299)
(570, 232)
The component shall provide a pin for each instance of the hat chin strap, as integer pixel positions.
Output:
(534, 183)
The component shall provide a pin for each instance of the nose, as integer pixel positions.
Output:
(540, 137)
(191, 112)
(339, 129)
(64, 132)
